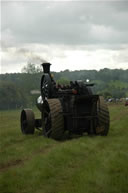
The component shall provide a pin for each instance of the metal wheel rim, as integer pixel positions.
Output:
(27, 120)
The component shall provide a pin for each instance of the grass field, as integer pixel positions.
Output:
(34, 164)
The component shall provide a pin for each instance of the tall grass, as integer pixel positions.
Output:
(34, 164)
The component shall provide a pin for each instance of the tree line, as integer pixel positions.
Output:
(16, 88)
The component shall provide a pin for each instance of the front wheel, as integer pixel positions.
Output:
(27, 121)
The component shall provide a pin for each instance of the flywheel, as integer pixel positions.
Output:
(45, 86)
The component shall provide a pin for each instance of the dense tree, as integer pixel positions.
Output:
(10, 96)
(63, 81)
(31, 69)
(15, 89)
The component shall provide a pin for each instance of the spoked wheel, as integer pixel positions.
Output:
(103, 117)
(45, 86)
(53, 121)
(27, 120)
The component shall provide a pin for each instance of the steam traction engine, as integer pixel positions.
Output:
(73, 109)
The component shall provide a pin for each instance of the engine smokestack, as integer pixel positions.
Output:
(46, 67)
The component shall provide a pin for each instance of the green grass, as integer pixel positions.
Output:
(34, 164)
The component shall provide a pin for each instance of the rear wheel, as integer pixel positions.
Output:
(53, 121)
(103, 117)
(27, 120)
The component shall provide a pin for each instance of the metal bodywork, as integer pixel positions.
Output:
(71, 109)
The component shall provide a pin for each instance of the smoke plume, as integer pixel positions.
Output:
(30, 56)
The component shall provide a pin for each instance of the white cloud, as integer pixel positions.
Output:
(74, 35)
(64, 57)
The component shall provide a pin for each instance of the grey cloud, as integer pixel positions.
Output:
(49, 29)
(66, 22)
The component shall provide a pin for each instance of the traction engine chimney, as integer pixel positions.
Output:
(46, 67)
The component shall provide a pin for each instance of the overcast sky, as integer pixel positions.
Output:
(71, 35)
